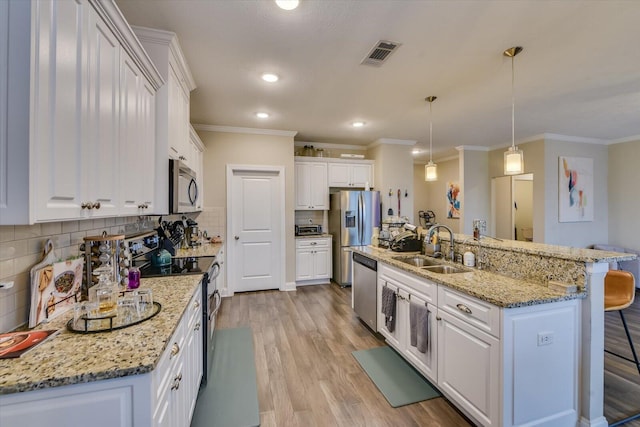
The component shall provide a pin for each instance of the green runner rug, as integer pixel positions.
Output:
(396, 379)
(230, 398)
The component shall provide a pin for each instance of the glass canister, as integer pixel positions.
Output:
(105, 294)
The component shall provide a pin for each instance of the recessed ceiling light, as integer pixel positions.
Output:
(262, 115)
(416, 151)
(287, 4)
(270, 77)
(357, 124)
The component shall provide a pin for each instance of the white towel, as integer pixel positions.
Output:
(419, 326)
(388, 308)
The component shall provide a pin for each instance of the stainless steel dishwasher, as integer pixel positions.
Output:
(365, 289)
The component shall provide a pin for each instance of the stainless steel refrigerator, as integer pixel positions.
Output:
(352, 217)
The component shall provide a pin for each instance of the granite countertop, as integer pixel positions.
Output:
(542, 249)
(496, 289)
(71, 358)
(206, 249)
(315, 236)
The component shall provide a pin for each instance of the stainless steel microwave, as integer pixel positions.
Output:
(183, 188)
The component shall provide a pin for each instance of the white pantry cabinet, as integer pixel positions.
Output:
(313, 260)
(61, 118)
(312, 189)
(352, 174)
(172, 107)
(500, 366)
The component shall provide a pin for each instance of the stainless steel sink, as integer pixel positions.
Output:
(444, 269)
(417, 260)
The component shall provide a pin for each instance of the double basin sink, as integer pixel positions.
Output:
(430, 264)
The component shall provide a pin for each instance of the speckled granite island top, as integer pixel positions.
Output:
(71, 358)
(496, 289)
(206, 249)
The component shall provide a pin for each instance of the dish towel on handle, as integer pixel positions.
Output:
(389, 308)
(419, 326)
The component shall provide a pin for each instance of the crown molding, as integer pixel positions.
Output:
(472, 148)
(627, 139)
(253, 131)
(391, 141)
(580, 139)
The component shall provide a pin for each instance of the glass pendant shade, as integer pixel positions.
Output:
(513, 161)
(430, 171)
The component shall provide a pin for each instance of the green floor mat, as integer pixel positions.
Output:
(398, 381)
(230, 398)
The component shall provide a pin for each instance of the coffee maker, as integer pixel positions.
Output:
(191, 233)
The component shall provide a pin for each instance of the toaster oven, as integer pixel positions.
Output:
(308, 230)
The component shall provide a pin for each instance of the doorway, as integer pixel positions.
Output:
(512, 207)
(255, 227)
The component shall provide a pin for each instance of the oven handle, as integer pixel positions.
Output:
(216, 295)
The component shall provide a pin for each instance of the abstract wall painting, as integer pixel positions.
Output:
(453, 199)
(575, 189)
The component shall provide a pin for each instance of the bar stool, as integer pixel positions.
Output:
(619, 292)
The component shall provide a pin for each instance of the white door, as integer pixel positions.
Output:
(255, 200)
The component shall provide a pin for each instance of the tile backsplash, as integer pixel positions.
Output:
(21, 247)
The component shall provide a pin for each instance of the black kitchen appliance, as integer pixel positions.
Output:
(407, 241)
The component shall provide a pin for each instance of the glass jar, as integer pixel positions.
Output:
(106, 294)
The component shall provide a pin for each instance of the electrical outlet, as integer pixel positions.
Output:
(545, 338)
(6, 285)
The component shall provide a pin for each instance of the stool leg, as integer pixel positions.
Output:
(633, 349)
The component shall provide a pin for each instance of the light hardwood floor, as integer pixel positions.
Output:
(306, 374)
(621, 378)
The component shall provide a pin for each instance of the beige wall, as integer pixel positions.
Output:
(394, 170)
(624, 203)
(474, 179)
(436, 191)
(223, 148)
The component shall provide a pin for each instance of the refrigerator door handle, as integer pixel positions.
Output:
(360, 222)
(365, 205)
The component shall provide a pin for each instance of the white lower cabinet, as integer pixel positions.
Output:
(164, 397)
(499, 366)
(313, 261)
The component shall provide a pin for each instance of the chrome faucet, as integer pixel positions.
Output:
(451, 246)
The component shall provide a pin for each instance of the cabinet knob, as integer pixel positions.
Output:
(197, 327)
(175, 349)
(463, 308)
(87, 205)
(236, 237)
(314, 243)
(96, 205)
(438, 318)
(196, 305)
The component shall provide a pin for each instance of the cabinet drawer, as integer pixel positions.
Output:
(425, 288)
(480, 314)
(313, 243)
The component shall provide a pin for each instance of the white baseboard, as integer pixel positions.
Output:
(597, 422)
(289, 286)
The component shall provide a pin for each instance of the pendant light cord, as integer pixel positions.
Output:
(513, 105)
(430, 133)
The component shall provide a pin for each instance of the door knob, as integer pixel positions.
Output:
(237, 237)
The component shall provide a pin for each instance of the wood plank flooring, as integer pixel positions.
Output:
(306, 374)
(621, 378)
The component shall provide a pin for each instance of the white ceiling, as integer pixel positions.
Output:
(579, 73)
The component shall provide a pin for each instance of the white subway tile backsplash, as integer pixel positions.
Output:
(21, 247)
(6, 268)
(13, 249)
(70, 226)
(7, 233)
(51, 228)
(27, 231)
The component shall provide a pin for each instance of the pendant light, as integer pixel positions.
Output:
(513, 157)
(430, 169)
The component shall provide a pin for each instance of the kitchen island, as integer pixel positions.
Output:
(125, 377)
(504, 347)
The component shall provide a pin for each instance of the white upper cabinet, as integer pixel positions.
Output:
(62, 117)
(172, 107)
(355, 175)
(197, 164)
(312, 191)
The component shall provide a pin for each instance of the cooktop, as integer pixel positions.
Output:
(179, 267)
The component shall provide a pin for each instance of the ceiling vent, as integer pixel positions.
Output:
(380, 52)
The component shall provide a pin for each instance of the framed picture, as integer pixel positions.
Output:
(453, 199)
(575, 189)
